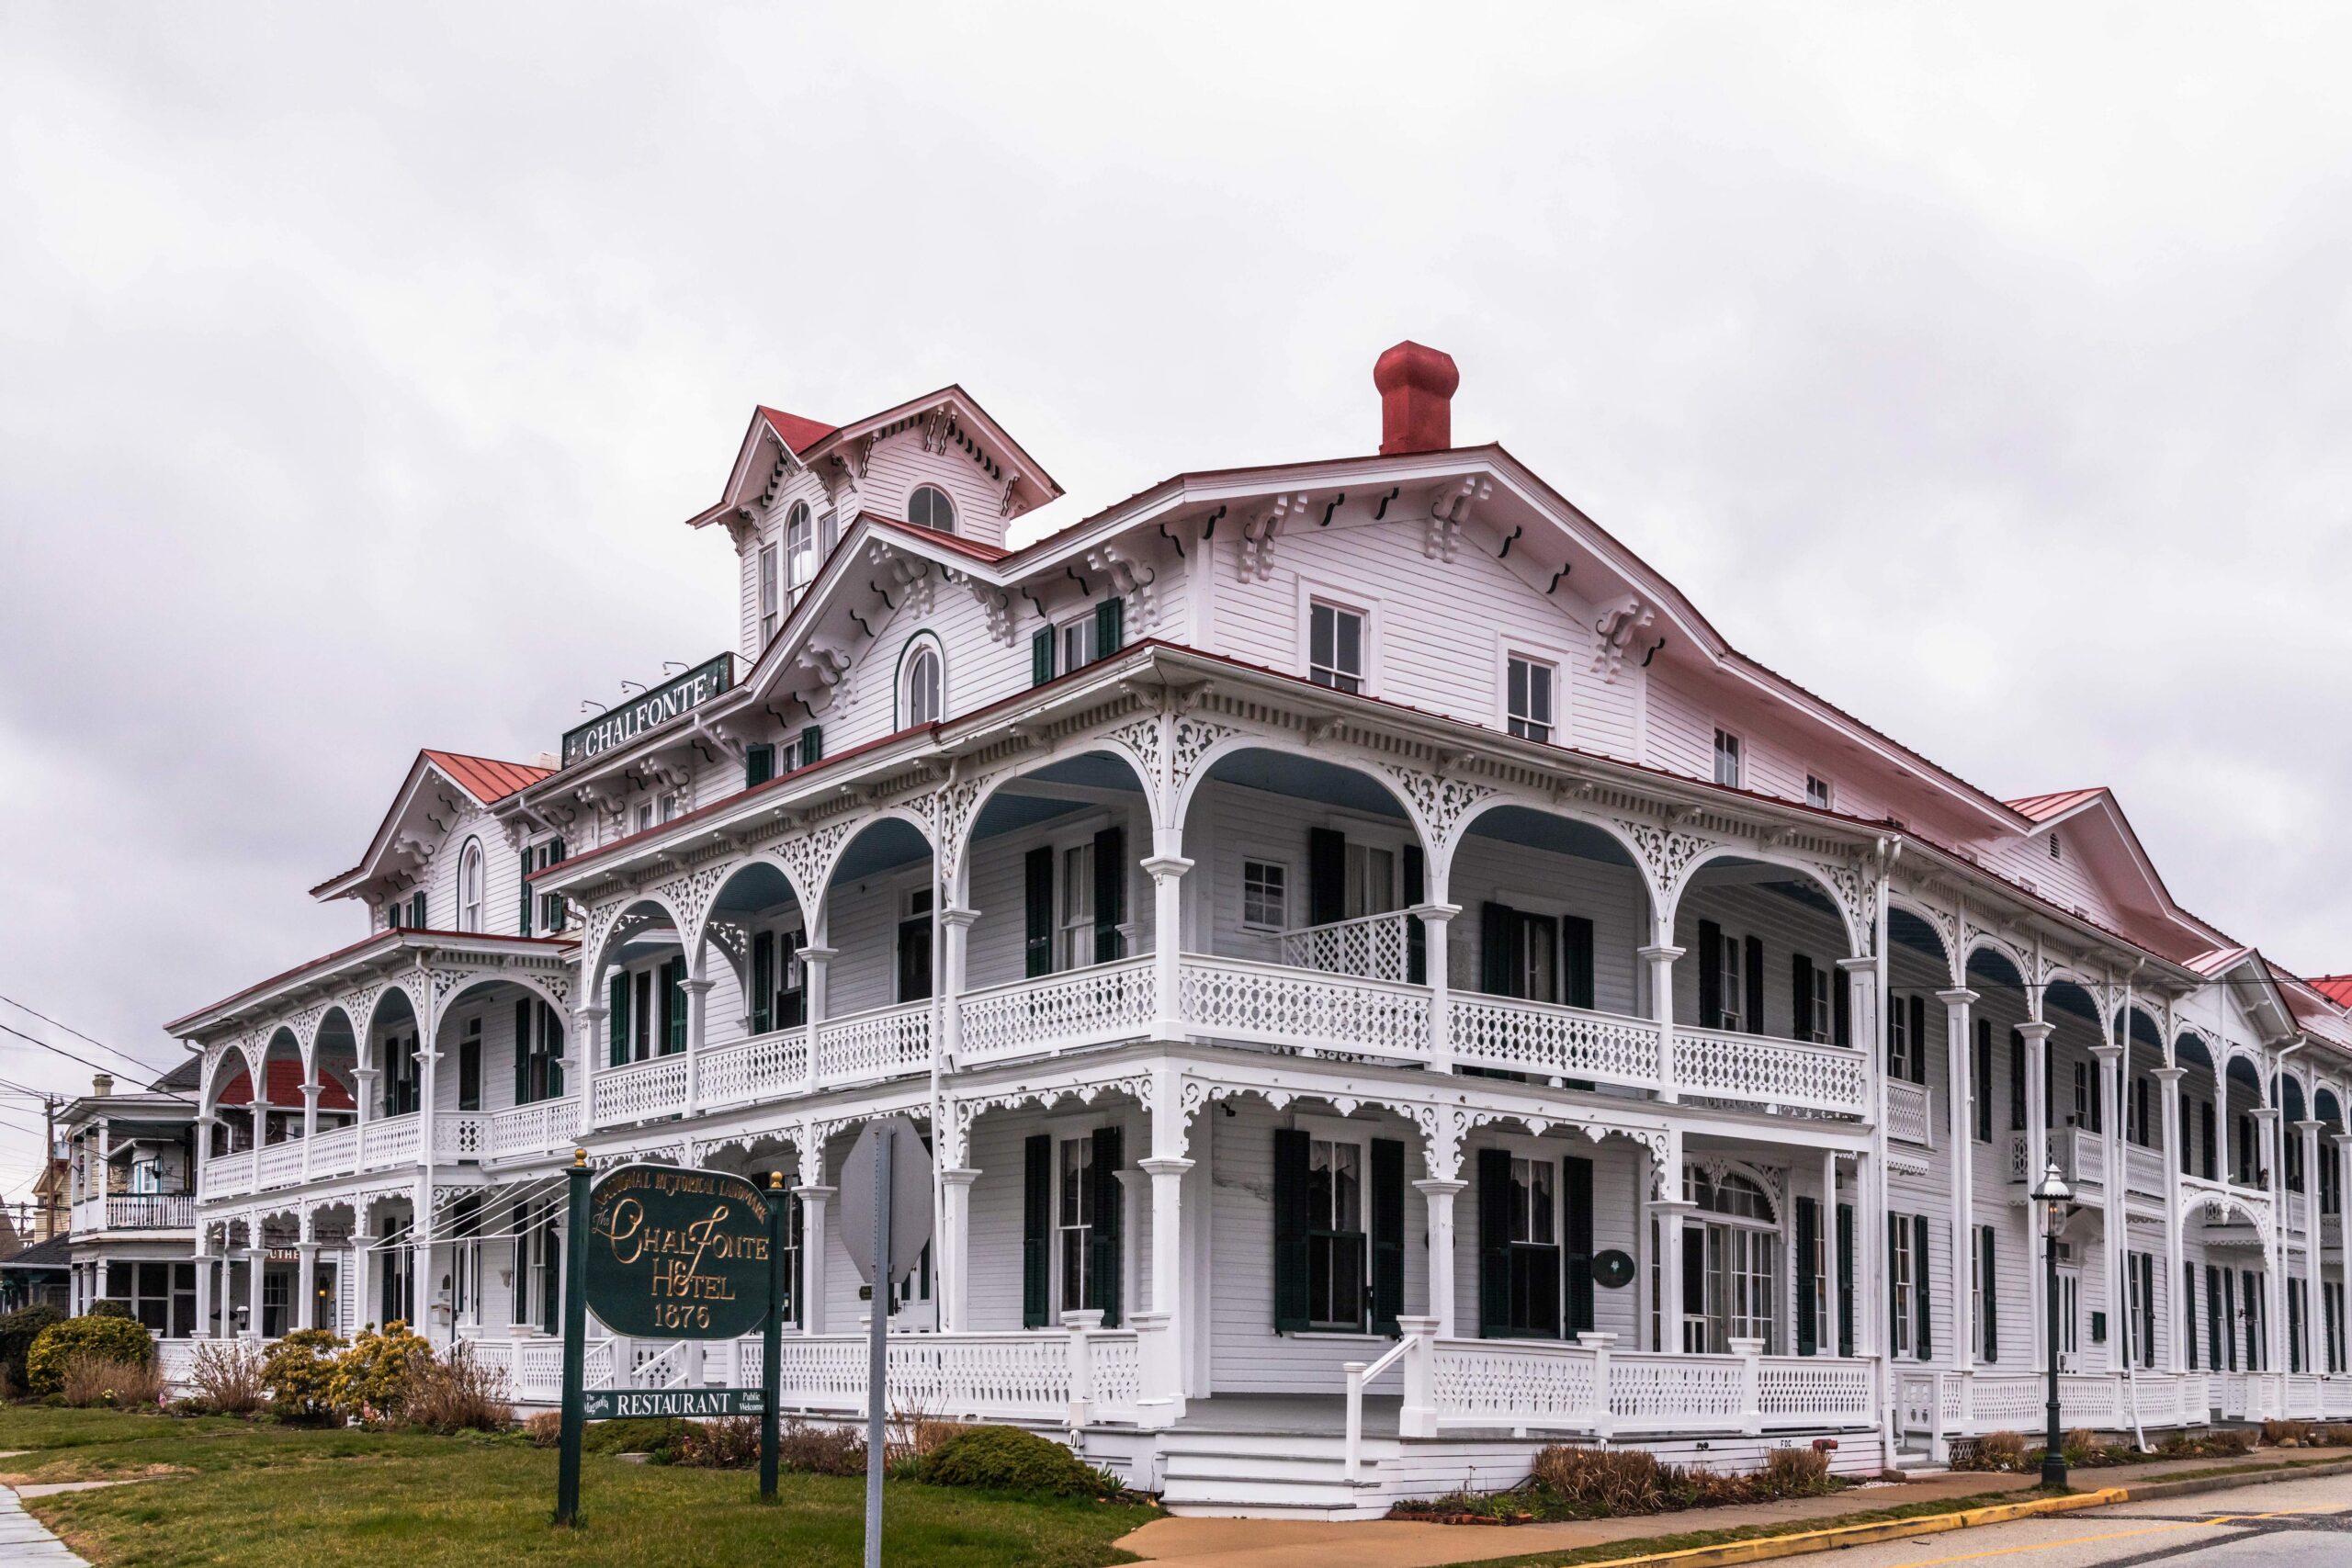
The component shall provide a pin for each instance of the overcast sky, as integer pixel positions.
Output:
(1984, 371)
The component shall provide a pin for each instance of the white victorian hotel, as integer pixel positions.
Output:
(1385, 984)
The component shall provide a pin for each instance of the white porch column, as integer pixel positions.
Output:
(257, 1257)
(813, 1200)
(1436, 919)
(2176, 1352)
(306, 1285)
(1439, 1193)
(424, 1290)
(814, 962)
(2342, 1155)
(203, 1290)
(954, 965)
(2274, 1261)
(1167, 868)
(202, 1156)
(2314, 1357)
(583, 1082)
(2037, 1158)
(955, 1259)
(309, 1124)
(1166, 1173)
(1667, 1208)
(1661, 956)
(1959, 1062)
(1834, 1281)
(2113, 1232)
(697, 1006)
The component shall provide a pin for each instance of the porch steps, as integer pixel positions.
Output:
(1206, 1474)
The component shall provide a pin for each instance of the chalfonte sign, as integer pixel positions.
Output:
(676, 1254)
(652, 711)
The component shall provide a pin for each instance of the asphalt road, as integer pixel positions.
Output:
(2293, 1524)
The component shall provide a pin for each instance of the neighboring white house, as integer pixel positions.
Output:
(1345, 914)
(131, 1169)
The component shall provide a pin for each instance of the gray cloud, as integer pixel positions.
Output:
(1984, 372)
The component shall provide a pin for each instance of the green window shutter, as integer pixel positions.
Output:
(523, 916)
(792, 1007)
(523, 1095)
(1417, 936)
(1110, 627)
(1920, 1293)
(416, 910)
(1041, 656)
(551, 1047)
(1110, 891)
(1845, 1278)
(1290, 1230)
(2189, 1313)
(2016, 1081)
(1694, 1273)
(1036, 1220)
(1755, 979)
(551, 1306)
(1494, 1243)
(1499, 965)
(1841, 1010)
(1896, 1234)
(1387, 1234)
(762, 982)
(1038, 911)
(616, 1021)
(1104, 1254)
(1801, 996)
(1808, 1239)
(1577, 944)
(1327, 876)
(1918, 1039)
(812, 745)
(1984, 1080)
(1576, 1190)
(759, 765)
(1992, 1293)
(1711, 975)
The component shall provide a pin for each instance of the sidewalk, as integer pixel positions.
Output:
(25, 1541)
(1397, 1543)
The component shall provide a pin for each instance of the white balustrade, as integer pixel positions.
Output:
(766, 1067)
(947, 1376)
(1552, 1041)
(335, 1152)
(2081, 1155)
(1524, 1385)
(225, 1176)
(149, 1211)
(1077, 1006)
(281, 1164)
(642, 1091)
(1815, 1391)
(1237, 999)
(1370, 947)
(394, 1140)
(174, 1358)
(880, 1043)
(658, 1366)
(1751, 1068)
(1908, 1118)
(526, 1131)
(1947, 1404)
(459, 1135)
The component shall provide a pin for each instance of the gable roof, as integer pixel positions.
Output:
(54, 1253)
(800, 435)
(484, 779)
(2047, 808)
(2336, 988)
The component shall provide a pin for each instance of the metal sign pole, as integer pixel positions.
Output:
(879, 1357)
(771, 1337)
(575, 1338)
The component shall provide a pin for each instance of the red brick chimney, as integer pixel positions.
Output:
(1416, 397)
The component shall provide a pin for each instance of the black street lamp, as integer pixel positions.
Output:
(2053, 1197)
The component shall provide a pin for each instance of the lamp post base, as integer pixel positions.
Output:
(2053, 1471)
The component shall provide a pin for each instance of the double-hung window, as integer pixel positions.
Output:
(1335, 1236)
(1728, 759)
(1899, 1044)
(1371, 885)
(1534, 1239)
(470, 881)
(800, 546)
(1899, 1267)
(1821, 1018)
(1732, 991)
(771, 595)
(1818, 793)
(1335, 647)
(1528, 698)
(1076, 906)
(1077, 643)
(1074, 1218)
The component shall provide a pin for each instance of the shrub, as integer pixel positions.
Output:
(372, 1379)
(106, 1306)
(1603, 1481)
(116, 1339)
(545, 1429)
(1796, 1473)
(297, 1370)
(2232, 1440)
(1007, 1458)
(730, 1442)
(821, 1451)
(17, 1331)
(2339, 1437)
(1998, 1451)
(224, 1377)
(2286, 1434)
(637, 1434)
(458, 1394)
(91, 1379)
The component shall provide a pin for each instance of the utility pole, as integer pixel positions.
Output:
(49, 1164)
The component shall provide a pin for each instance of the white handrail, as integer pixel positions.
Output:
(1359, 1373)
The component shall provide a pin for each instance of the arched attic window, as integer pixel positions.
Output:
(929, 507)
(921, 684)
(799, 545)
(469, 886)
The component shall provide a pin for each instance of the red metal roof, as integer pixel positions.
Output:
(2336, 988)
(484, 778)
(794, 431)
(972, 547)
(2042, 807)
(286, 1088)
(414, 935)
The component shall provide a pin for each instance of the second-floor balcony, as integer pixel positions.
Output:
(134, 1212)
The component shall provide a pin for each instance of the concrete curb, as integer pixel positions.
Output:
(1764, 1547)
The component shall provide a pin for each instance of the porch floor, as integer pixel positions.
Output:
(1309, 1414)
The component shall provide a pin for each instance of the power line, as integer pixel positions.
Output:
(79, 1035)
(71, 1056)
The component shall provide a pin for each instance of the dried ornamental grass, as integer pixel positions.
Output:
(224, 1377)
(91, 1378)
(458, 1394)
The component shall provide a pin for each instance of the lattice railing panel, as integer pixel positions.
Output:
(1552, 1041)
(766, 1067)
(879, 1043)
(1773, 1072)
(1106, 1001)
(1262, 1001)
(642, 1091)
(1668, 1393)
(1483, 1384)
(1370, 947)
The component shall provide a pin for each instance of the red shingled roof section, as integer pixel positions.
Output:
(2042, 807)
(796, 432)
(286, 1088)
(485, 778)
(2336, 988)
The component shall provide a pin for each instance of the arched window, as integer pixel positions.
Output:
(920, 686)
(469, 886)
(930, 508)
(799, 545)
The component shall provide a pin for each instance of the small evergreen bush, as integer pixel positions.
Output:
(372, 1379)
(298, 1372)
(1007, 1458)
(17, 1331)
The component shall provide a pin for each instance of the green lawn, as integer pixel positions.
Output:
(265, 1497)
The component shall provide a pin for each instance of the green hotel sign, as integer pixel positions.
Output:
(651, 712)
(677, 1253)
(627, 1404)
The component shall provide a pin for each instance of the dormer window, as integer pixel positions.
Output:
(469, 886)
(771, 598)
(800, 545)
(920, 685)
(929, 507)
(1727, 760)
(1817, 791)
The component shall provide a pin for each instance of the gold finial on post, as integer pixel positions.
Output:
(579, 1156)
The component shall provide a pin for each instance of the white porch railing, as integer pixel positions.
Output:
(880, 1043)
(1276, 1006)
(641, 1091)
(281, 1163)
(1791, 1073)
(534, 1366)
(1080, 1375)
(392, 1140)
(658, 1366)
(150, 1211)
(530, 1129)
(225, 1176)
(335, 1152)
(1907, 1121)
(1552, 1041)
(460, 1134)
(1943, 1403)
(766, 1067)
(1370, 947)
(1079, 1006)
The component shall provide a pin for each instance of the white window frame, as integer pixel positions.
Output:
(1074, 904)
(1351, 601)
(1280, 867)
(911, 660)
(1074, 643)
(1978, 1324)
(1731, 991)
(1899, 1044)
(799, 548)
(771, 596)
(938, 489)
(473, 879)
(1729, 742)
(1338, 1130)
(1824, 1004)
(1065, 1130)
(1899, 1273)
(1819, 793)
(1520, 724)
